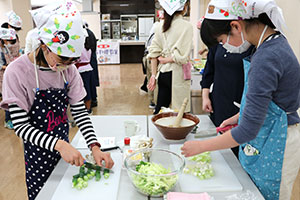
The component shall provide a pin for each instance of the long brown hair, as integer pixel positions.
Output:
(168, 20)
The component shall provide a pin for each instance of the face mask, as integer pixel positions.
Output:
(240, 49)
(8, 45)
(56, 66)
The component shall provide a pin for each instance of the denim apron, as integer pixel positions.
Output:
(265, 164)
(48, 114)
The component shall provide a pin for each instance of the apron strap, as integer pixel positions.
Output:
(36, 73)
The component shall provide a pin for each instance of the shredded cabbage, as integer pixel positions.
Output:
(153, 185)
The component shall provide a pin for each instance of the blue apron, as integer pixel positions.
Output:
(265, 168)
(48, 114)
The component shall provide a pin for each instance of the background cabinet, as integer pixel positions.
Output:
(110, 29)
(129, 27)
(145, 23)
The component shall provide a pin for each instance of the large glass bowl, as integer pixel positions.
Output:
(157, 182)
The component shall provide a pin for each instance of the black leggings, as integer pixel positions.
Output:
(164, 91)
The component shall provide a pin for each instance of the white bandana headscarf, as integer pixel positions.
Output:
(60, 28)
(171, 6)
(14, 19)
(7, 34)
(245, 9)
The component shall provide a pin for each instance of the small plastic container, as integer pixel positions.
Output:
(127, 150)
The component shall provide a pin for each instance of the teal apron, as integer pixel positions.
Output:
(265, 165)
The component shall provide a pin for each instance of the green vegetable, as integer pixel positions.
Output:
(137, 168)
(80, 180)
(91, 166)
(202, 157)
(84, 184)
(153, 185)
(106, 173)
(79, 186)
(86, 178)
(98, 175)
(202, 169)
(76, 176)
(93, 173)
(82, 171)
(90, 176)
(74, 182)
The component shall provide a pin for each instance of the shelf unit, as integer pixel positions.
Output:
(110, 29)
(129, 27)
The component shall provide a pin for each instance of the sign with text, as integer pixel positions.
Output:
(108, 52)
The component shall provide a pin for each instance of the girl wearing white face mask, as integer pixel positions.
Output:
(268, 123)
(37, 89)
(224, 69)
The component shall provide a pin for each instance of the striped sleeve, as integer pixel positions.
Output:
(27, 132)
(83, 121)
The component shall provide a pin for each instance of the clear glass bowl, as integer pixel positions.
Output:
(158, 179)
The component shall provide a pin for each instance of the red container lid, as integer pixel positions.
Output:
(127, 141)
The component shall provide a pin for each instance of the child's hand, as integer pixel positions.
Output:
(69, 153)
(100, 156)
(191, 148)
(4, 67)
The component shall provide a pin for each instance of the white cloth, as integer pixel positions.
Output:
(7, 34)
(171, 6)
(14, 19)
(32, 41)
(238, 9)
(291, 162)
(60, 28)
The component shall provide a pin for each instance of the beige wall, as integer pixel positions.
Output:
(290, 11)
(21, 8)
(5, 6)
(93, 19)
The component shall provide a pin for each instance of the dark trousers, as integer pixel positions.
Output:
(164, 95)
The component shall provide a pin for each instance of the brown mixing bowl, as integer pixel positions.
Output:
(174, 133)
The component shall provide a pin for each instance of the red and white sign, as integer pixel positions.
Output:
(108, 52)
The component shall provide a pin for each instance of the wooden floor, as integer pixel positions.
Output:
(118, 95)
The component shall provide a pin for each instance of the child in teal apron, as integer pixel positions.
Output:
(268, 131)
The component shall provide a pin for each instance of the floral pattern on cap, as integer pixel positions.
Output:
(60, 28)
(245, 9)
(7, 34)
(14, 19)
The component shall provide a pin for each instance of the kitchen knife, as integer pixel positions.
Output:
(96, 167)
(102, 149)
(219, 129)
(205, 133)
(110, 148)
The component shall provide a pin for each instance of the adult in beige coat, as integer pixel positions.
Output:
(169, 50)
